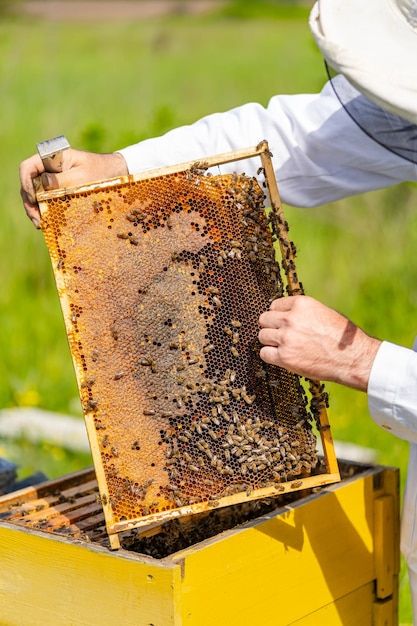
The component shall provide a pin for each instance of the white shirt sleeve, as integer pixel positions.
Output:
(392, 390)
(319, 153)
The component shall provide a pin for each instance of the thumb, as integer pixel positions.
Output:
(50, 181)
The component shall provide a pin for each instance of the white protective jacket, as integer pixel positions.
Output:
(320, 155)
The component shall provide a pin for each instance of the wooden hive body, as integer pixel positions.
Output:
(328, 558)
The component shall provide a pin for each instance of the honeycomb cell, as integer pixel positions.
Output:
(161, 312)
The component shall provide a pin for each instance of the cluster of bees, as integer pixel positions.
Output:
(184, 409)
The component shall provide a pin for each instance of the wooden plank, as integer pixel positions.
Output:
(384, 613)
(356, 608)
(384, 545)
(24, 508)
(48, 487)
(50, 581)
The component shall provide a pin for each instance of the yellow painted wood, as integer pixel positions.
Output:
(354, 609)
(384, 545)
(52, 582)
(384, 614)
(391, 481)
(311, 563)
(300, 561)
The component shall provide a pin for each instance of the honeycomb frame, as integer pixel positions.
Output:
(182, 415)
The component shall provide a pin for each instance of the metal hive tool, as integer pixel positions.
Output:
(162, 277)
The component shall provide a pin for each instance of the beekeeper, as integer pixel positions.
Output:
(358, 134)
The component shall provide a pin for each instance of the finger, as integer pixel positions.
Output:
(270, 319)
(67, 178)
(32, 210)
(270, 355)
(50, 181)
(282, 304)
(269, 337)
(30, 169)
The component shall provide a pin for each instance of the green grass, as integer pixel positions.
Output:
(110, 84)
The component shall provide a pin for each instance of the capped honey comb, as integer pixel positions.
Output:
(162, 278)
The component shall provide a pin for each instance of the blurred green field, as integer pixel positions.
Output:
(106, 85)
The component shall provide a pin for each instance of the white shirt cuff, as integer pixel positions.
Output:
(392, 390)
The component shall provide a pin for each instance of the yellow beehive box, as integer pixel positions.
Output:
(327, 558)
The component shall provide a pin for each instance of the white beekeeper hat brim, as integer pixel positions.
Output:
(373, 43)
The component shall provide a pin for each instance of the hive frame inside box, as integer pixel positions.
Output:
(318, 400)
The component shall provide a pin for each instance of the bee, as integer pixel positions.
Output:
(118, 375)
(234, 351)
(88, 383)
(149, 412)
(146, 361)
(216, 302)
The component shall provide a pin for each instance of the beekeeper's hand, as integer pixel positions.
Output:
(308, 338)
(78, 167)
